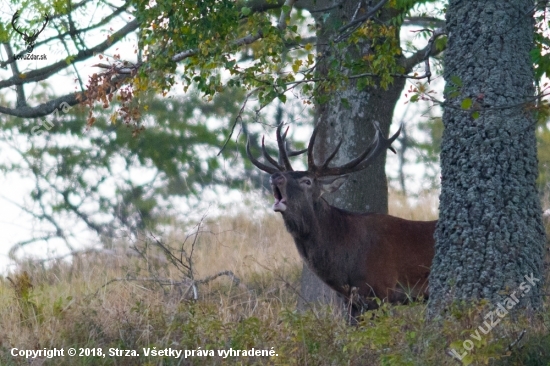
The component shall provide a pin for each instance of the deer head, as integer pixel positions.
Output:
(296, 189)
(29, 39)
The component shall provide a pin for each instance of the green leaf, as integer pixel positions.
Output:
(454, 94)
(456, 80)
(466, 103)
(441, 43)
(414, 98)
(69, 59)
(475, 115)
(246, 11)
(467, 360)
(296, 65)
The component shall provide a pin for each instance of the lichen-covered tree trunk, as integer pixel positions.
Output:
(490, 234)
(348, 114)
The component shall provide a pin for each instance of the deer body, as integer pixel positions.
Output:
(382, 256)
(359, 255)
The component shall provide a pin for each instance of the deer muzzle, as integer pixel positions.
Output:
(278, 182)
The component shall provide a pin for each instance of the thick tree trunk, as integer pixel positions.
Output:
(490, 234)
(350, 121)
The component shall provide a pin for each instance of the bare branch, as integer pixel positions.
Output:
(425, 22)
(424, 54)
(71, 254)
(235, 121)
(49, 107)
(21, 100)
(44, 109)
(170, 282)
(15, 247)
(227, 273)
(511, 345)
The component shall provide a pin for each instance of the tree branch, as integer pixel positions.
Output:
(45, 108)
(339, 3)
(424, 54)
(259, 6)
(45, 72)
(49, 107)
(425, 22)
(248, 39)
(104, 21)
(361, 19)
(21, 100)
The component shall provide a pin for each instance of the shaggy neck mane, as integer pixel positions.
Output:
(321, 220)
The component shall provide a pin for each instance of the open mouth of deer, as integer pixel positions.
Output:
(280, 201)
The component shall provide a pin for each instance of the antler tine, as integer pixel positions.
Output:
(261, 166)
(294, 152)
(13, 20)
(45, 23)
(269, 158)
(311, 167)
(282, 151)
(286, 131)
(290, 152)
(383, 144)
(379, 144)
(331, 156)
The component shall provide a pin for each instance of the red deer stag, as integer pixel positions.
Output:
(359, 255)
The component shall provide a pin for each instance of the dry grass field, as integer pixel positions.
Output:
(144, 300)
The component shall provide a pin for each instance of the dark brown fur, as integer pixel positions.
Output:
(382, 256)
(359, 255)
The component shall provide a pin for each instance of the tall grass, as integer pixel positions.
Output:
(135, 299)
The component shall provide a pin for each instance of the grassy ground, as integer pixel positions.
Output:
(139, 300)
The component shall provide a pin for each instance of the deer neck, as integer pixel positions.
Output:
(312, 228)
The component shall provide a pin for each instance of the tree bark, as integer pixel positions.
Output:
(490, 234)
(351, 122)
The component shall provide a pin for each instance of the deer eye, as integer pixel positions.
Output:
(307, 182)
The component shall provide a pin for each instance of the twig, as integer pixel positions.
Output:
(509, 348)
(238, 118)
(435, 34)
(168, 281)
(280, 278)
(345, 33)
(236, 280)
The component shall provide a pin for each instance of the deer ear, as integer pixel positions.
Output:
(329, 185)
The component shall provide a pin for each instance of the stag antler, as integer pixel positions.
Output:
(283, 165)
(29, 39)
(13, 20)
(46, 20)
(378, 145)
